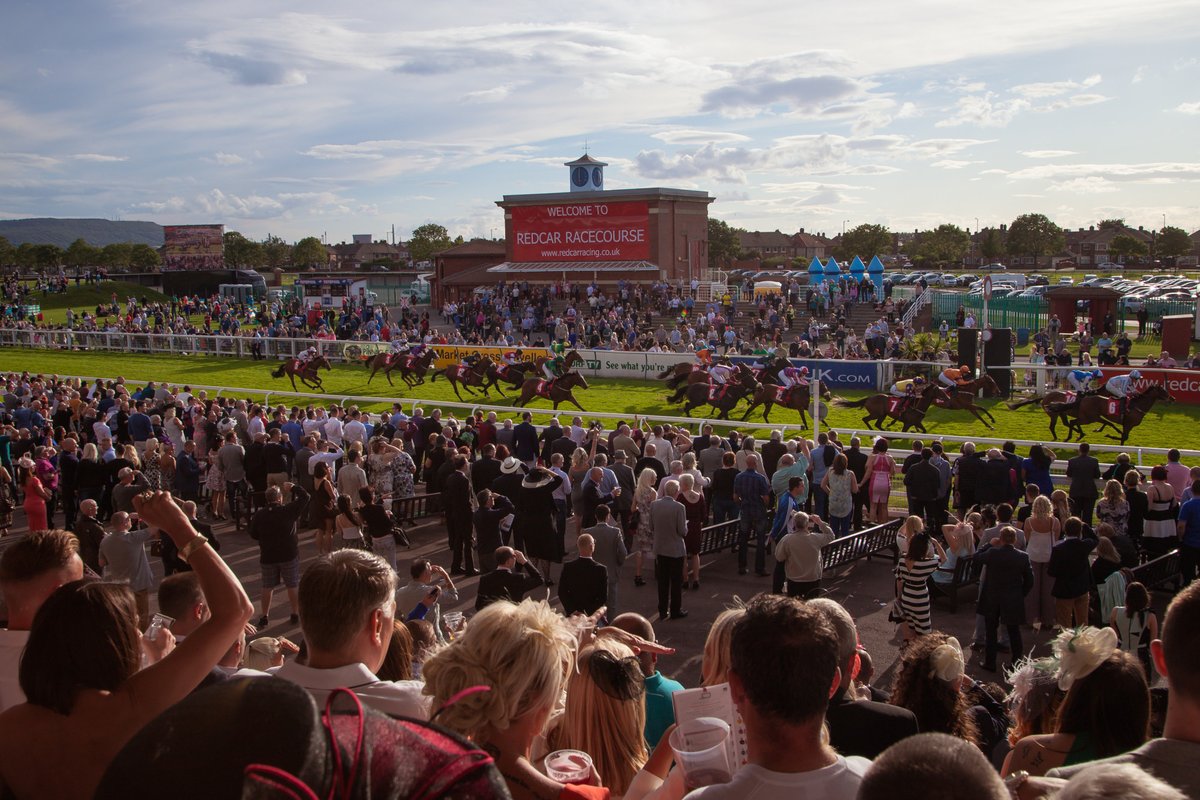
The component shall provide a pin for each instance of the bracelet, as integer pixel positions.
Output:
(194, 544)
(1013, 782)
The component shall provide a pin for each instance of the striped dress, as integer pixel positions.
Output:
(914, 594)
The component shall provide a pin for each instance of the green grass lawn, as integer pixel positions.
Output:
(85, 298)
(618, 398)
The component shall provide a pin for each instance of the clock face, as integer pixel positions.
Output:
(597, 177)
(579, 176)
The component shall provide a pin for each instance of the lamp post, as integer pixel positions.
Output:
(846, 220)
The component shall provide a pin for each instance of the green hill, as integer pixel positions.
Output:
(83, 298)
(97, 232)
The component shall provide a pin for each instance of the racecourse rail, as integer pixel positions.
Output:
(836, 374)
(1140, 456)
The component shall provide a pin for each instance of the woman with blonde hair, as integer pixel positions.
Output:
(605, 714)
(696, 512)
(576, 472)
(524, 654)
(1041, 532)
(1113, 508)
(714, 668)
(961, 540)
(643, 538)
(1061, 503)
(173, 429)
(130, 454)
(151, 463)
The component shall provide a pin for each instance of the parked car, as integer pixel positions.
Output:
(1035, 291)
(1038, 280)
(1066, 280)
(993, 267)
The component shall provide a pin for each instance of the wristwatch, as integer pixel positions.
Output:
(196, 542)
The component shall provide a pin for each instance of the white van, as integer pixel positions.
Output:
(1015, 280)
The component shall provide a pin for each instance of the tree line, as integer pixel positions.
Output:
(1029, 235)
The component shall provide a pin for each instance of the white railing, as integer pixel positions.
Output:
(914, 308)
(184, 343)
(1140, 456)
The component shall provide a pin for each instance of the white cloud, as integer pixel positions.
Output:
(228, 159)
(1048, 153)
(1055, 88)
(1188, 108)
(985, 110)
(1179, 171)
(1090, 185)
(98, 158)
(492, 95)
(951, 163)
(1140, 73)
(692, 136)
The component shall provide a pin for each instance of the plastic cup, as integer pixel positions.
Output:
(701, 751)
(569, 766)
(454, 620)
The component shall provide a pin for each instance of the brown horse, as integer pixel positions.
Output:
(406, 363)
(1094, 408)
(556, 391)
(797, 398)
(879, 408)
(1056, 405)
(511, 374)
(964, 398)
(571, 358)
(681, 372)
(466, 376)
(412, 371)
(722, 398)
(307, 373)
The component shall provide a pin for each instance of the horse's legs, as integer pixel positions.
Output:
(975, 410)
(571, 398)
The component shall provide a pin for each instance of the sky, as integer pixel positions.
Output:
(302, 118)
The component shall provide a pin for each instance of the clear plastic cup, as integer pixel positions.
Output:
(158, 623)
(569, 766)
(702, 752)
(453, 620)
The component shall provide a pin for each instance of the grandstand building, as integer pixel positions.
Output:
(586, 234)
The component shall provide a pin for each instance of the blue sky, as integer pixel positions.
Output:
(301, 118)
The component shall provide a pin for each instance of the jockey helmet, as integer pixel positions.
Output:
(804, 370)
(1097, 373)
(1135, 374)
(965, 368)
(917, 381)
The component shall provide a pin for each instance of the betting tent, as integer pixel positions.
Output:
(875, 270)
(816, 272)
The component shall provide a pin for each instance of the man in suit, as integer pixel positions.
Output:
(856, 461)
(610, 551)
(456, 503)
(668, 522)
(187, 472)
(592, 498)
(772, 451)
(550, 434)
(623, 506)
(583, 585)
(525, 441)
(504, 583)
(922, 482)
(858, 727)
(995, 479)
(1007, 578)
(486, 469)
(493, 507)
(651, 462)
(912, 459)
(1084, 471)
(1014, 463)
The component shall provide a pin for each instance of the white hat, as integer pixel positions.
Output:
(537, 478)
(25, 462)
(510, 465)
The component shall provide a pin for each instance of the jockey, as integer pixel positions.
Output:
(953, 378)
(791, 376)
(307, 356)
(908, 388)
(512, 357)
(704, 354)
(1122, 386)
(1081, 379)
(720, 372)
(553, 366)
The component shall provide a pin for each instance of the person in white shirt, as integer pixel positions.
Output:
(348, 610)
(31, 569)
(257, 424)
(333, 427)
(354, 430)
(783, 670)
(328, 454)
(351, 477)
(577, 433)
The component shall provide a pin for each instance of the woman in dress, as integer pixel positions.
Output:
(840, 486)
(924, 556)
(47, 473)
(1113, 508)
(879, 471)
(961, 539)
(1138, 503)
(349, 526)
(151, 466)
(1036, 468)
(90, 476)
(1158, 530)
(1136, 625)
(535, 518)
(697, 513)
(324, 507)
(643, 537)
(36, 495)
(1041, 532)
(174, 431)
(381, 463)
(747, 449)
(214, 481)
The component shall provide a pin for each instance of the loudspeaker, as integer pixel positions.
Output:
(968, 347)
(997, 352)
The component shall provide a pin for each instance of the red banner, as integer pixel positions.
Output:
(590, 231)
(1184, 387)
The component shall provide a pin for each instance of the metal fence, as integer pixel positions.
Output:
(185, 344)
(1003, 312)
(1157, 309)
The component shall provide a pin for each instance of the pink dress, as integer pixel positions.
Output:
(35, 506)
(881, 479)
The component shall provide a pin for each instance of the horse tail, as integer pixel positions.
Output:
(279, 371)
(678, 395)
(674, 381)
(667, 373)
(433, 377)
(1013, 406)
(368, 361)
(842, 403)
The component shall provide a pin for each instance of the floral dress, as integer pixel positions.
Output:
(214, 481)
(383, 475)
(153, 471)
(402, 471)
(643, 538)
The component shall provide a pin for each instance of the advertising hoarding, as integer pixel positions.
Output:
(193, 247)
(590, 231)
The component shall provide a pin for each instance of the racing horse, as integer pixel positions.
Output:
(402, 361)
(1095, 408)
(683, 371)
(465, 375)
(571, 358)
(880, 407)
(722, 397)
(1057, 404)
(797, 398)
(703, 377)
(511, 374)
(556, 391)
(307, 373)
(413, 369)
(964, 398)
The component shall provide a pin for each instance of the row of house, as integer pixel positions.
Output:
(776, 244)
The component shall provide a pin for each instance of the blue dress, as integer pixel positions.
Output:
(1038, 476)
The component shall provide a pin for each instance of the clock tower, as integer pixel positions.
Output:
(587, 174)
